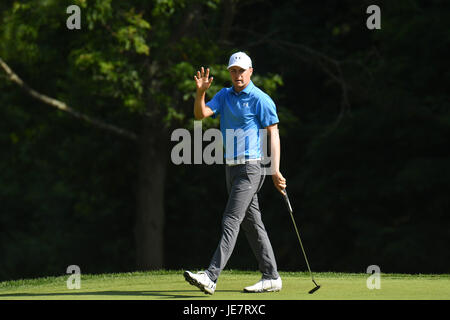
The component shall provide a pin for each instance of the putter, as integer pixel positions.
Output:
(288, 204)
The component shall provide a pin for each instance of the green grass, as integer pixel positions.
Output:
(170, 285)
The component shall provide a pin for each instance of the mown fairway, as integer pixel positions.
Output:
(170, 285)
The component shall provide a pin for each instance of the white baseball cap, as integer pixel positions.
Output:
(240, 59)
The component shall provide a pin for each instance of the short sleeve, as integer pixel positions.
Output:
(216, 103)
(266, 111)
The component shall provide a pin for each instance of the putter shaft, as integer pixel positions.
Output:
(288, 204)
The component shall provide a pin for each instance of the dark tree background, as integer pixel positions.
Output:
(364, 124)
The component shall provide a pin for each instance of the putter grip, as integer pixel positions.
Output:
(286, 200)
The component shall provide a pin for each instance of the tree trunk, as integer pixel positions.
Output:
(149, 224)
(229, 10)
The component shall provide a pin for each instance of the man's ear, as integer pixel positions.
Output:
(251, 71)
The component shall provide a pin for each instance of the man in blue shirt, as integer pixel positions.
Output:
(244, 110)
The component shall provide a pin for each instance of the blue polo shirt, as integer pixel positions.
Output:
(242, 115)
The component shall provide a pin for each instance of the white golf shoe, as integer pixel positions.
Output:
(201, 281)
(265, 285)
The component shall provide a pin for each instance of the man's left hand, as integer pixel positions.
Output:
(279, 182)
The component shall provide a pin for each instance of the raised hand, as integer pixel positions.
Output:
(202, 80)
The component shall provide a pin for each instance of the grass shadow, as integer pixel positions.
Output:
(167, 294)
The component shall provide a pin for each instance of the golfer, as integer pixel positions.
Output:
(242, 108)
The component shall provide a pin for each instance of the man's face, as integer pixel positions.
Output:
(240, 77)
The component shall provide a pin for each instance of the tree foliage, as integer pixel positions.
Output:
(364, 122)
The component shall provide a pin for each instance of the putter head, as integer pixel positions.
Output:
(317, 287)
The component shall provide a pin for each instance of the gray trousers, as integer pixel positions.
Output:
(242, 210)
